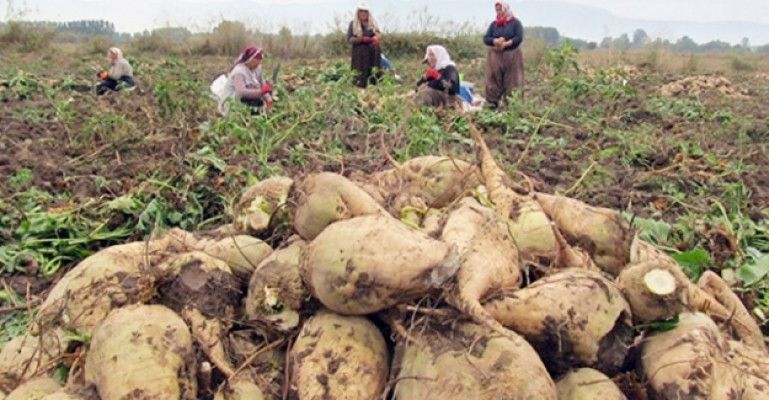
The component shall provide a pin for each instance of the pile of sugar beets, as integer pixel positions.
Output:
(437, 279)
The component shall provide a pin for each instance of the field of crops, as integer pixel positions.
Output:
(683, 156)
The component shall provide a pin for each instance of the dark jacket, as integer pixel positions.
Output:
(354, 39)
(512, 30)
(449, 78)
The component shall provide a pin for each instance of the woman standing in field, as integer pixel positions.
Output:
(120, 73)
(440, 84)
(245, 81)
(364, 35)
(504, 68)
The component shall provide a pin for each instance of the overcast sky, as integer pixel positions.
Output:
(688, 10)
(138, 15)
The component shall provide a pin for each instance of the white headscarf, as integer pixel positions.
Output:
(506, 7)
(118, 55)
(442, 57)
(357, 27)
(117, 52)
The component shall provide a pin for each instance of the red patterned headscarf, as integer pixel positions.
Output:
(249, 53)
(509, 17)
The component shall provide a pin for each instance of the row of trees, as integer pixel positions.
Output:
(74, 31)
(83, 27)
(552, 37)
(640, 39)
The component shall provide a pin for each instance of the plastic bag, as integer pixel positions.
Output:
(221, 90)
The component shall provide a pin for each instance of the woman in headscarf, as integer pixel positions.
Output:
(120, 73)
(440, 84)
(364, 36)
(504, 68)
(245, 81)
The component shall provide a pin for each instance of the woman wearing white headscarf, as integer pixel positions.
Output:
(364, 35)
(120, 73)
(504, 69)
(440, 84)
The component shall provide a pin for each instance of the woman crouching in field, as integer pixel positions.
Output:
(120, 74)
(245, 81)
(364, 35)
(504, 68)
(440, 84)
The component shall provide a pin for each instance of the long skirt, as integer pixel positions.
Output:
(429, 97)
(365, 57)
(504, 73)
(257, 105)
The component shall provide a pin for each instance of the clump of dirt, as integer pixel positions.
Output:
(631, 385)
(697, 85)
(722, 244)
(214, 292)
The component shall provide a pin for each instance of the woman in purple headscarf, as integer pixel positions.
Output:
(245, 80)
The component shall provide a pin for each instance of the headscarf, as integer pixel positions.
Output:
(509, 17)
(357, 26)
(247, 55)
(442, 57)
(117, 52)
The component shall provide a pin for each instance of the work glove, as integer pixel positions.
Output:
(365, 39)
(266, 88)
(103, 75)
(375, 41)
(432, 74)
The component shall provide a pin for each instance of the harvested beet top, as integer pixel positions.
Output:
(435, 279)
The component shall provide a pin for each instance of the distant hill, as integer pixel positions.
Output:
(595, 24)
(571, 20)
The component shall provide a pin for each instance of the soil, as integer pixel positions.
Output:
(86, 162)
(61, 166)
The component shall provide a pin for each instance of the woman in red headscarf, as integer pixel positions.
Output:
(245, 81)
(504, 68)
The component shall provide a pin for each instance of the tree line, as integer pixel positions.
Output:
(640, 40)
(73, 31)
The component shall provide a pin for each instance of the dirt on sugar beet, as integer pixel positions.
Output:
(214, 293)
